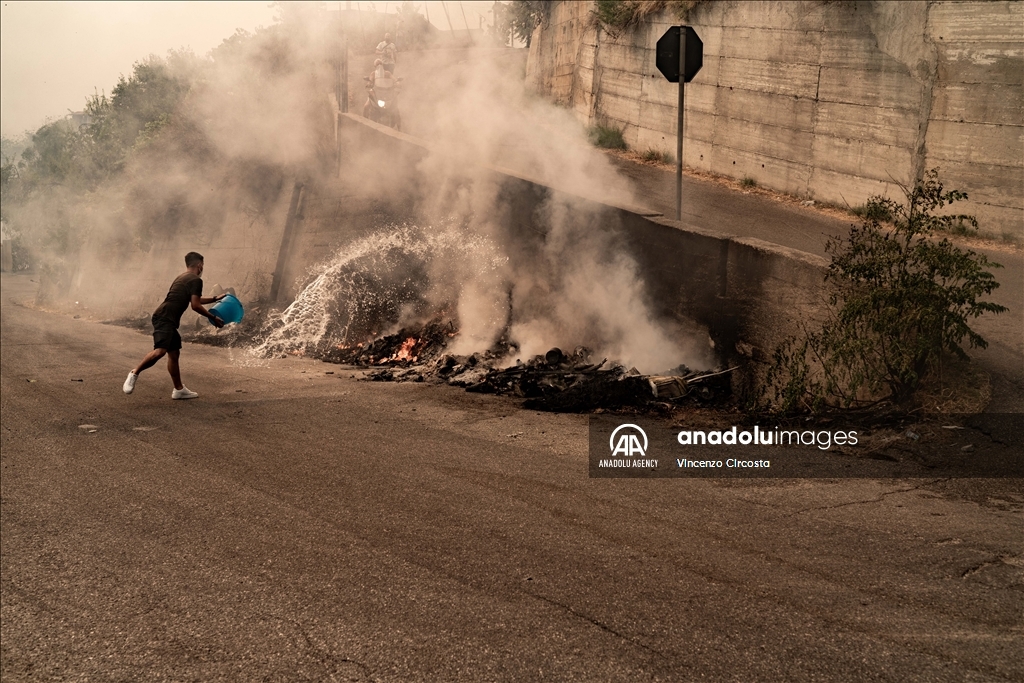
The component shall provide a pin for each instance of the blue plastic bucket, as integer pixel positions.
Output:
(229, 309)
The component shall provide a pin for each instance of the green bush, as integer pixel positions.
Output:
(617, 15)
(872, 211)
(657, 156)
(621, 15)
(523, 16)
(748, 182)
(899, 299)
(607, 137)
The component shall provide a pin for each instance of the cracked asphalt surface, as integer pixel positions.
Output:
(292, 525)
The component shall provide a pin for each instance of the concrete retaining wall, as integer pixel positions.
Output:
(7, 256)
(831, 100)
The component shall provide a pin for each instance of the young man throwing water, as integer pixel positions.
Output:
(186, 290)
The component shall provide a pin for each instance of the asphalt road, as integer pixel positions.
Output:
(294, 525)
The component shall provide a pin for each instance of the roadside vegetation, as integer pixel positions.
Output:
(49, 187)
(607, 137)
(79, 158)
(871, 211)
(520, 18)
(618, 16)
(137, 165)
(901, 301)
(657, 156)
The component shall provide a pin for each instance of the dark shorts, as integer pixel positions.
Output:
(165, 334)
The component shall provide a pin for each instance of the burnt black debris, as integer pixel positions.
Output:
(560, 382)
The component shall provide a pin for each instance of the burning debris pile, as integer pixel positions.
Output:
(476, 304)
(555, 382)
(404, 348)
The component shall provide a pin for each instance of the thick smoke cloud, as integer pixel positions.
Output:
(185, 153)
(215, 176)
(576, 284)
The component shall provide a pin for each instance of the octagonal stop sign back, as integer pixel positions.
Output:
(667, 54)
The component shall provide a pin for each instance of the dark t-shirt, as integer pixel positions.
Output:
(179, 297)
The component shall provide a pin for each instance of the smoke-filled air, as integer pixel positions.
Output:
(483, 208)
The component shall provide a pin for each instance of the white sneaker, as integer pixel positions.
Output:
(129, 384)
(184, 392)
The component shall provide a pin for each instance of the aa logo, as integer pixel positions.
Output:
(628, 443)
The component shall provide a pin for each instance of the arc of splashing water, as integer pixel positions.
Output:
(307, 320)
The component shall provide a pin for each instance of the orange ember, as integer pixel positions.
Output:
(405, 350)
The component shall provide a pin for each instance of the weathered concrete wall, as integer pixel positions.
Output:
(563, 56)
(976, 124)
(6, 256)
(831, 100)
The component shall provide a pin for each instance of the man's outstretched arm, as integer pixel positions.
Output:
(197, 306)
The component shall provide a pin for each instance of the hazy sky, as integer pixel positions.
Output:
(54, 54)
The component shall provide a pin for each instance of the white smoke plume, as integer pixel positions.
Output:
(258, 115)
(580, 286)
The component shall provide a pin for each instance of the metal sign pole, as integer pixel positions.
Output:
(679, 126)
(344, 72)
(671, 60)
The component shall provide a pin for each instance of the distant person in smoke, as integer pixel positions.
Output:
(185, 291)
(378, 77)
(378, 71)
(386, 52)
